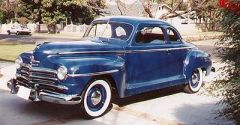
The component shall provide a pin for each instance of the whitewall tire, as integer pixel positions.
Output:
(96, 98)
(195, 82)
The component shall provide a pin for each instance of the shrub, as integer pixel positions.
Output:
(229, 51)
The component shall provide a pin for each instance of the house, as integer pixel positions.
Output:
(135, 8)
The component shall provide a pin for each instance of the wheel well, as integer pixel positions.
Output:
(112, 82)
(204, 70)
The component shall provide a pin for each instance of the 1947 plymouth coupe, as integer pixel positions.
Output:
(126, 55)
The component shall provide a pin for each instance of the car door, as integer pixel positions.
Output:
(177, 52)
(146, 60)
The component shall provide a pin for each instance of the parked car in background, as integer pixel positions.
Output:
(19, 30)
(121, 55)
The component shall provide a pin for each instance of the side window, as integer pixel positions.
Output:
(172, 35)
(120, 32)
(104, 30)
(150, 35)
(92, 32)
(101, 30)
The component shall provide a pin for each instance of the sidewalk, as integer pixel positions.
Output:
(7, 73)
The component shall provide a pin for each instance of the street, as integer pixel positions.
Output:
(166, 106)
(32, 39)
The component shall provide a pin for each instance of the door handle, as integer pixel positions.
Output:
(168, 51)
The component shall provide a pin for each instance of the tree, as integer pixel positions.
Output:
(51, 12)
(229, 51)
(2, 17)
(8, 8)
(195, 5)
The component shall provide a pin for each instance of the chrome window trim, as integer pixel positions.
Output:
(110, 21)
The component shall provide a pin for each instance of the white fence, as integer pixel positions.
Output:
(75, 28)
(43, 27)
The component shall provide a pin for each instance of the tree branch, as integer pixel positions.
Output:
(147, 8)
(173, 9)
(174, 14)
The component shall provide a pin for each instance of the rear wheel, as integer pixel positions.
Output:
(96, 99)
(195, 82)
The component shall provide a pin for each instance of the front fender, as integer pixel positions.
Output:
(82, 69)
(196, 59)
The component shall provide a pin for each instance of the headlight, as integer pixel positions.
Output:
(62, 72)
(18, 62)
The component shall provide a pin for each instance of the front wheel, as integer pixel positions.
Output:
(96, 99)
(195, 82)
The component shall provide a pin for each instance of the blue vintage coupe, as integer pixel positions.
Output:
(126, 55)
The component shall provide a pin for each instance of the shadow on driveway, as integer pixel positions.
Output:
(148, 95)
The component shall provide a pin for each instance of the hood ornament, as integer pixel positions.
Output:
(34, 62)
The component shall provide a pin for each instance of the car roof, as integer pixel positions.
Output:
(132, 20)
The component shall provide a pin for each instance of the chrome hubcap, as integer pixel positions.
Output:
(96, 97)
(195, 78)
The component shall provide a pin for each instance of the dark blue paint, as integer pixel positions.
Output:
(139, 71)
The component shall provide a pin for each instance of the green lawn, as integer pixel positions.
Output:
(9, 52)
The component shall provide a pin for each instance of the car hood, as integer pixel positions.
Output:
(75, 47)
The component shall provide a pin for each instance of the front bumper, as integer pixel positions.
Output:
(44, 95)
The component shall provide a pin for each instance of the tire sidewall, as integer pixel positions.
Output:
(200, 82)
(93, 114)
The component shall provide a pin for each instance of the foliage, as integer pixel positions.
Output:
(8, 9)
(229, 51)
(171, 3)
(54, 11)
(2, 17)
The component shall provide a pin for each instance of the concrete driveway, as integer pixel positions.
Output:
(162, 107)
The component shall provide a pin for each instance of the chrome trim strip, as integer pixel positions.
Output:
(23, 71)
(23, 77)
(122, 51)
(90, 52)
(42, 78)
(52, 85)
(46, 70)
(93, 74)
(25, 65)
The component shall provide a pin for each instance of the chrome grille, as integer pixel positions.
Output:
(29, 76)
(25, 71)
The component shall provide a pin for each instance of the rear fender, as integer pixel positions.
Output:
(196, 59)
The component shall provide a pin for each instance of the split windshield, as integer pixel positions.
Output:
(109, 30)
